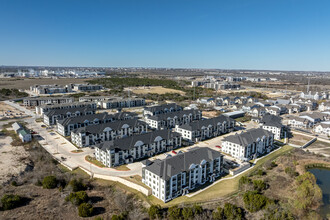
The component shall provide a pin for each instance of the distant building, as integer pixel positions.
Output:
(37, 101)
(40, 110)
(86, 87)
(161, 109)
(50, 89)
(205, 129)
(171, 119)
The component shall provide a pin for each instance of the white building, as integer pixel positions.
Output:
(126, 150)
(249, 144)
(274, 124)
(177, 175)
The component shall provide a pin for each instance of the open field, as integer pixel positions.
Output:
(6, 111)
(222, 189)
(18, 83)
(154, 89)
(320, 147)
(299, 139)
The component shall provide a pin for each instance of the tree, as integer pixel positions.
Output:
(308, 193)
(77, 198)
(174, 213)
(254, 201)
(154, 211)
(49, 182)
(85, 210)
(10, 201)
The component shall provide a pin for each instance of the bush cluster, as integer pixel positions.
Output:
(49, 182)
(229, 211)
(77, 198)
(10, 201)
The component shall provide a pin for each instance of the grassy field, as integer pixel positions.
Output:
(122, 168)
(222, 189)
(18, 83)
(94, 161)
(299, 139)
(155, 89)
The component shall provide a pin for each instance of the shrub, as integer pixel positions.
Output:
(85, 210)
(229, 211)
(174, 213)
(49, 182)
(117, 217)
(244, 180)
(77, 198)
(77, 185)
(291, 172)
(254, 201)
(198, 209)
(218, 214)
(259, 185)
(260, 172)
(187, 213)
(232, 211)
(10, 201)
(154, 211)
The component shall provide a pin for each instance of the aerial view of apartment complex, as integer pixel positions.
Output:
(174, 110)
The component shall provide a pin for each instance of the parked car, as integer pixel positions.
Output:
(174, 152)
(218, 146)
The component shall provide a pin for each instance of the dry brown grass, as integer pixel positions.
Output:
(155, 89)
(13, 83)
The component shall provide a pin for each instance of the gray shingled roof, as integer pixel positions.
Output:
(173, 114)
(115, 125)
(162, 107)
(100, 116)
(129, 142)
(271, 120)
(181, 162)
(248, 137)
(197, 125)
(64, 111)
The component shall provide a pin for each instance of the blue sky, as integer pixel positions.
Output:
(233, 34)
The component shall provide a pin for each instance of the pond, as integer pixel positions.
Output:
(323, 180)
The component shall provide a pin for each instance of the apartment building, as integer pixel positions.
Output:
(126, 150)
(162, 109)
(177, 175)
(298, 122)
(171, 119)
(121, 103)
(86, 87)
(205, 129)
(322, 128)
(65, 126)
(249, 144)
(94, 98)
(274, 124)
(53, 115)
(276, 110)
(95, 134)
(37, 101)
(40, 110)
(50, 89)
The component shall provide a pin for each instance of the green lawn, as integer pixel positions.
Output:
(222, 189)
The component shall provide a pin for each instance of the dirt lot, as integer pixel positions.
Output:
(18, 83)
(13, 159)
(154, 89)
(320, 147)
(299, 139)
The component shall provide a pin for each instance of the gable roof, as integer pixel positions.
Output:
(248, 137)
(178, 114)
(196, 125)
(64, 111)
(163, 107)
(181, 162)
(128, 143)
(271, 120)
(114, 125)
